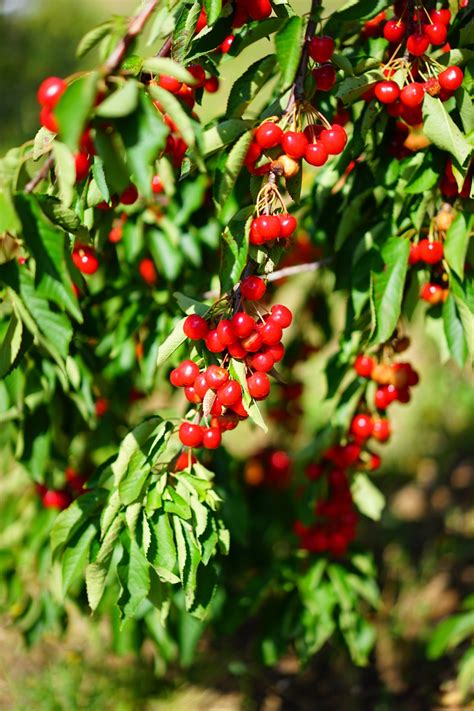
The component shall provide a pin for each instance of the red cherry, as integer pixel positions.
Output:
(263, 362)
(186, 93)
(253, 288)
(417, 44)
(115, 234)
(432, 293)
(213, 342)
(157, 186)
(394, 30)
(176, 378)
(225, 332)
(313, 132)
(202, 21)
(229, 393)
(270, 332)
(412, 95)
(288, 225)
(101, 406)
(382, 398)
(316, 154)
(281, 315)
(277, 351)
(268, 227)
(190, 435)
(191, 395)
(243, 324)
(227, 44)
(430, 252)
(169, 83)
(211, 437)
(211, 85)
(443, 16)
(200, 385)
(198, 74)
(85, 259)
(147, 271)
(252, 343)
(374, 462)
(216, 376)
(321, 48)
(436, 33)
(189, 371)
(325, 77)
(82, 164)
(185, 460)
(259, 9)
(253, 154)
(129, 195)
(48, 119)
(334, 139)
(237, 350)
(364, 366)
(239, 409)
(451, 79)
(381, 430)
(362, 426)
(268, 135)
(294, 143)
(395, 109)
(258, 385)
(195, 327)
(50, 91)
(387, 91)
(255, 237)
(52, 499)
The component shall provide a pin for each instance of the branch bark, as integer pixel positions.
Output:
(298, 90)
(136, 26)
(40, 175)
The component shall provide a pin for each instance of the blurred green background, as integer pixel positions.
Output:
(423, 545)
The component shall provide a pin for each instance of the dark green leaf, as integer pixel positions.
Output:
(457, 242)
(388, 282)
(288, 48)
(440, 128)
(453, 329)
(74, 108)
(248, 85)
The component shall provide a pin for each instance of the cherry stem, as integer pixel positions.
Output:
(40, 175)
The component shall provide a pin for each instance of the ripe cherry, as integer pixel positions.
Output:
(443, 16)
(417, 44)
(259, 9)
(412, 95)
(268, 227)
(294, 143)
(414, 257)
(334, 139)
(189, 371)
(288, 225)
(436, 33)
(325, 77)
(216, 376)
(432, 293)
(268, 135)
(115, 234)
(211, 85)
(451, 79)
(277, 351)
(258, 385)
(50, 91)
(253, 288)
(195, 327)
(157, 186)
(211, 437)
(226, 333)
(190, 435)
(48, 119)
(82, 164)
(381, 430)
(169, 83)
(253, 342)
(281, 315)
(243, 324)
(85, 259)
(321, 48)
(227, 44)
(316, 154)
(185, 460)
(202, 21)
(430, 252)
(229, 393)
(147, 271)
(263, 362)
(101, 406)
(253, 154)
(200, 385)
(362, 426)
(387, 91)
(394, 30)
(270, 332)
(198, 74)
(191, 395)
(52, 499)
(213, 342)
(129, 195)
(237, 350)
(364, 366)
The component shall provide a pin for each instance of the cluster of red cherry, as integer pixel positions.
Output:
(314, 144)
(409, 79)
(62, 498)
(257, 342)
(394, 380)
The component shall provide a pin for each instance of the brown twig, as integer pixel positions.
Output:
(40, 175)
(298, 87)
(298, 269)
(136, 26)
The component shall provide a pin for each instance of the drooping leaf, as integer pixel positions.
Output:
(288, 48)
(388, 282)
(74, 108)
(248, 85)
(440, 128)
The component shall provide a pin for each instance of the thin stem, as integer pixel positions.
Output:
(299, 269)
(135, 27)
(298, 91)
(40, 175)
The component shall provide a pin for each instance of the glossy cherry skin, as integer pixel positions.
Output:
(268, 135)
(394, 31)
(169, 83)
(430, 252)
(258, 385)
(281, 315)
(243, 324)
(229, 393)
(216, 376)
(412, 95)
(85, 259)
(195, 327)
(325, 77)
(253, 288)
(50, 91)
(362, 426)
(294, 143)
(226, 332)
(364, 366)
(334, 139)
(437, 33)
(387, 91)
(211, 437)
(316, 154)
(288, 225)
(321, 48)
(417, 44)
(190, 434)
(451, 78)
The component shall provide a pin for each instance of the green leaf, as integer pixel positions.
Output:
(357, 10)
(144, 135)
(74, 108)
(132, 484)
(388, 282)
(449, 633)
(93, 37)
(68, 521)
(177, 505)
(454, 331)
(184, 31)
(175, 111)
(76, 556)
(225, 181)
(466, 672)
(65, 167)
(222, 134)
(248, 85)
(96, 575)
(11, 345)
(351, 88)
(135, 579)
(213, 10)
(164, 555)
(122, 102)
(165, 65)
(235, 248)
(457, 242)
(135, 446)
(110, 152)
(58, 214)
(254, 31)
(171, 343)
(440, 128)
(288, 49)
(166, 254)
(367, 497)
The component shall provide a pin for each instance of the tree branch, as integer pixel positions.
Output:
(40, 175)
(136, 26)
(299, 269)
(298, 90)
